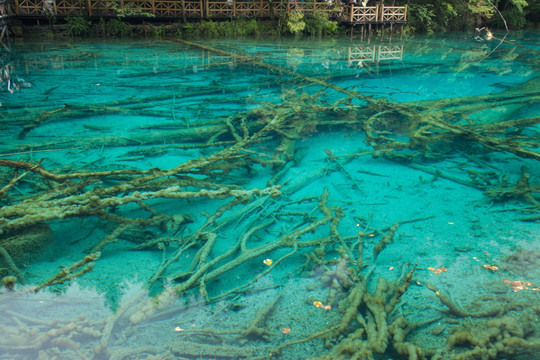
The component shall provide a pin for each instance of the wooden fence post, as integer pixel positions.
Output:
(183, 11)
(405, 13)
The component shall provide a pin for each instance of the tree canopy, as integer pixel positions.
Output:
(447, 15)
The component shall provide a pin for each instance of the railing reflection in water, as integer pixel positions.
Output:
(372, 53)
(376, 53)
(141, 64)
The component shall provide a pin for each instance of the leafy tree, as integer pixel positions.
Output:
(532, 14)
(318, 24)
(444, 15)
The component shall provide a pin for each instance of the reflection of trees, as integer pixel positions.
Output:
(489, 57)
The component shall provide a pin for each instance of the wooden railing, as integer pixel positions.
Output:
(106, 8)
(363, 14)
(220, 9)
(312, 6)
(7, 11)
(212, 9)
(7, 8)
(376, 14)
(394, 13)
(30, 7)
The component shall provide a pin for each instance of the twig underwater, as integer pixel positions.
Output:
(229, 219)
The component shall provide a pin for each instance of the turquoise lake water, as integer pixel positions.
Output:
(257, 199)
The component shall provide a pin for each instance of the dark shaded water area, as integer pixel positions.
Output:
(288, 199)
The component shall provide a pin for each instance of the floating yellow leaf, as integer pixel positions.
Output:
(437, 271)
(518, 285)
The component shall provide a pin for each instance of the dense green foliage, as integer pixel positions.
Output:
(116, 27)
(78, 26)
(318, 24)
(297, 23)
(445, 15)
(232, 28)
(128, 9)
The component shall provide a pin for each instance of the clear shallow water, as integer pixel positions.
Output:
(245, 186)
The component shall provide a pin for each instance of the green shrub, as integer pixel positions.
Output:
(318, 24)
(115, 27)
(252, 28)
(295, 22)
(209, 28)
(129, 9)
(159, 31)
(78, 25)
(101, 26)
(532, 14)
(515, 19)
(229, 29)
(421, 17)
(187, 29)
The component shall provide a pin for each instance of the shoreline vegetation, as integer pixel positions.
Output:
(422, 17)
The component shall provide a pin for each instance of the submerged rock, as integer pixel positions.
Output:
(28, 243)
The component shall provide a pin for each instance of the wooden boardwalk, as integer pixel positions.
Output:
(213, 9)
